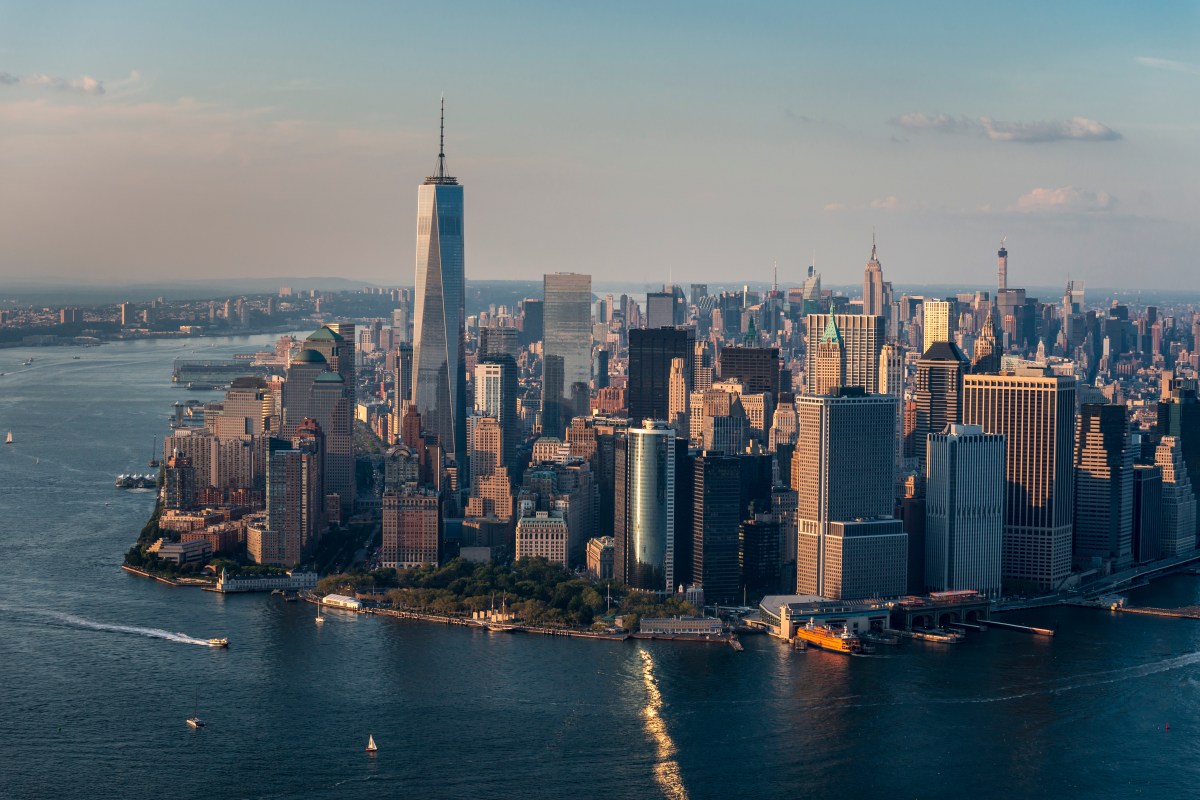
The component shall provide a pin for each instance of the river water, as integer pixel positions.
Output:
(98, 673)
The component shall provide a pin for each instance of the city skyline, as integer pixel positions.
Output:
(959, 126)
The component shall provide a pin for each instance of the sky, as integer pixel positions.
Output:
(648, 142)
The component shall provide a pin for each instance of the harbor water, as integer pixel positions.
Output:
(99, 669)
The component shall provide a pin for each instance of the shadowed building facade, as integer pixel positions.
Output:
(1035, 411)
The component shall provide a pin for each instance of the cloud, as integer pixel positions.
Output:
(1171, 66)
(835, 206)
(933, 122)
(84, 84)
(1065, 200)
(1079, 129)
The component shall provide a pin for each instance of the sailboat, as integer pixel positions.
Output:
(8, 439)
(194, 722)
(319, 618)
(154, 452)
(371, 746)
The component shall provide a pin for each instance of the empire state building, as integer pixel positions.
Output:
(439, 381)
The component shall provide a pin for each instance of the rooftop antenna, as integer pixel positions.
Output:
(775, 287)
(441, 170)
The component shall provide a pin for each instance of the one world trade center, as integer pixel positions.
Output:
(439, 379)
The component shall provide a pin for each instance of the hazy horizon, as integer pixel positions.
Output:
(199, 142)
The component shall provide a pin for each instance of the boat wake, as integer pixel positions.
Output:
(154, 633)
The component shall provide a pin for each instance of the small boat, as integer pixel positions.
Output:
(8, 439)
(75, 357)
(218, 643)
(195, 723)
(319, 620)
(371, 746)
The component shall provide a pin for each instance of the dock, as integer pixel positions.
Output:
(1008, 626)
(1187, 612)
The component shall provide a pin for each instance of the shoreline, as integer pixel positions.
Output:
(511, 627)
(189, 583)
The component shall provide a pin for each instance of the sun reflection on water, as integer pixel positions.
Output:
(666, 768)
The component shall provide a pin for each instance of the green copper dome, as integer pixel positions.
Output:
(324, 335)
(309, 356)
(329, 377)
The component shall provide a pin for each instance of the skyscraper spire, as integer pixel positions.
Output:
(439, 175)
(873, 243)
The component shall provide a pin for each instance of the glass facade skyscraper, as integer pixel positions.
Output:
(439, 379)
(568, 324)
(645, 507)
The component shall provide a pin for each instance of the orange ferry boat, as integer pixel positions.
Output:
(829, 639)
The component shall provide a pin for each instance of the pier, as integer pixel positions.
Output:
(1187, 612)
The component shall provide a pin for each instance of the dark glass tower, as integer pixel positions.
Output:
(439, 380)
(650, 354)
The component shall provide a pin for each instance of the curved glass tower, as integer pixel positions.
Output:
(650, 506)
(439, 382)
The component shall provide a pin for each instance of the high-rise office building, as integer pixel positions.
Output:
(487, 446)
(644, 508)
(602, 377)
(314, 392)
(1103, 486)
(568, 324)
(651, 351)
(660, 309)
(499, 342)
(496, 387)
(533, 318)
(849, 544)
(702, 366)
(554, 415)
(964, 510)
(402, 381)
(756, 368)
(295, 494)
(335, 341)
(938, 394)
(1179, 417)
(861, 336)
(830, 363)
(1178, 532)
(677, 396)
(988, 347)
(1035, 411)
(439, 321)
(760, 560)
(716, 517)
(875, 299)
(936, 323)
(1147, 512)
